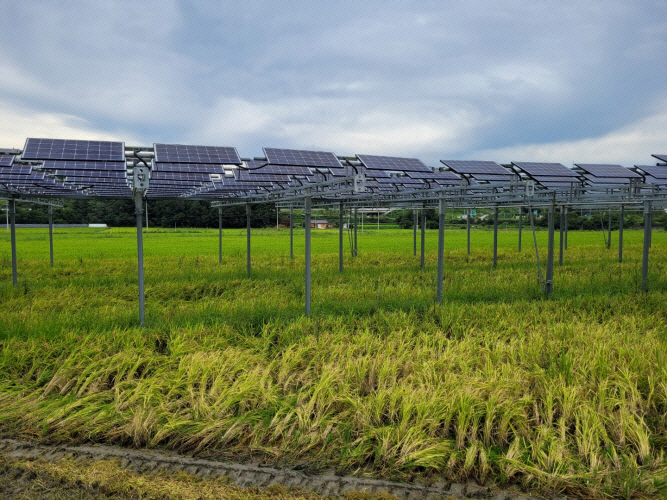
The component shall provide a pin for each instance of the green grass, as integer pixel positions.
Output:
(499, 384)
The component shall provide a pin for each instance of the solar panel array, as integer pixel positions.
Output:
(296, 157)
(60, 149)
(182, 153)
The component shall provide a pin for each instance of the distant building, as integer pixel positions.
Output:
(321, 224)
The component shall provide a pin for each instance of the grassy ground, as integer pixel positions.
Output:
(498, 384)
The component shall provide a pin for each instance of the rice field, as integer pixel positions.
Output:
(499, 384)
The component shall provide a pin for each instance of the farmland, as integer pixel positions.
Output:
(499, 384)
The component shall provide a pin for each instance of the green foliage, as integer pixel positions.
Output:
(566, 394)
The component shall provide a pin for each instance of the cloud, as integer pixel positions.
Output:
(629, 145)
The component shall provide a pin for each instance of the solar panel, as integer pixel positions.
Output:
(545, 169)
(182, 153)
(661, 157)
(551, 178)
(183, 176)
(491, 178)
(83, 165)
(65, 149)
(201, 168)
(604, 170)
(6, 160)
(266, 168)
(475, 167)
(255, 175)
(654, 171)
(115, 174)
(296, 157)
(590, 179)
(373, 162)
(17, 169)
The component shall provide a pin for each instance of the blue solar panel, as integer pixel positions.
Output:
(590, 179)
(60, 149)
(545, 169)
(6, 160)
(114, 174)
(476, 167)
(295, 157)
(83, 165)
(183, 153)
(654, 171)
(265, 168)
(661, 157)
(183, 176)
(192, 168)
(605, 170)
(373, 162)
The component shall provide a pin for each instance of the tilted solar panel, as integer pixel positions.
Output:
(83, 165)
(591, 179)
(60, 149)
(295, 157)
(6, 160)
(181, 176)
(662, 158)
(654, 171)
(17, 169)
(605, 170)
(491, 178)
(551, 178)
(192, 168)
(545, 169)
(476, 167)
(183, 153)
(395, 163)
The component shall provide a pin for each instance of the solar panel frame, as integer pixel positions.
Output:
(606, 170)
(301, 157)
(73, 149)
(83, 165)
(534, 169)
(6, 160)
(473, 167)
(393, 163)
(187, 153)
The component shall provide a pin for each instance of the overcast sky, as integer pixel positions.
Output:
(565, 81)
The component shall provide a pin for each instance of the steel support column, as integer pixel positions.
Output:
(51, 233)
(307, 227)
(621, 214)
(609, 232)
(291, 233)
(520, 226)
(567, 226)
(12, 228)
(495, 237)
(468, 216)
(561, 239)
(340, 237)
(441, 247)
(247, 216)
(647, 244)
(356, 219)
(423, 235)
(219, 235)
(139, 212)
(550, 253)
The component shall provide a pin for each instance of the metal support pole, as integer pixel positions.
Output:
(423, 234)
(219, 235)
(247, 216)
(414, 232)
(561, 239)
(441, 247)
(468, 216)
(647, 244)
(12, 226)
(609, 227)
(340, 237)
(138, 204)
(51, 233)
(291, 233)
(520, 226)
(550, 252)
(495, 237)
(567, 226)
(307, 224)
(621, 214)
(356, 219)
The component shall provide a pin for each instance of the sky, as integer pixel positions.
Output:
(556, 81)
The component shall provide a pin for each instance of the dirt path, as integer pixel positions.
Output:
(328, 485)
